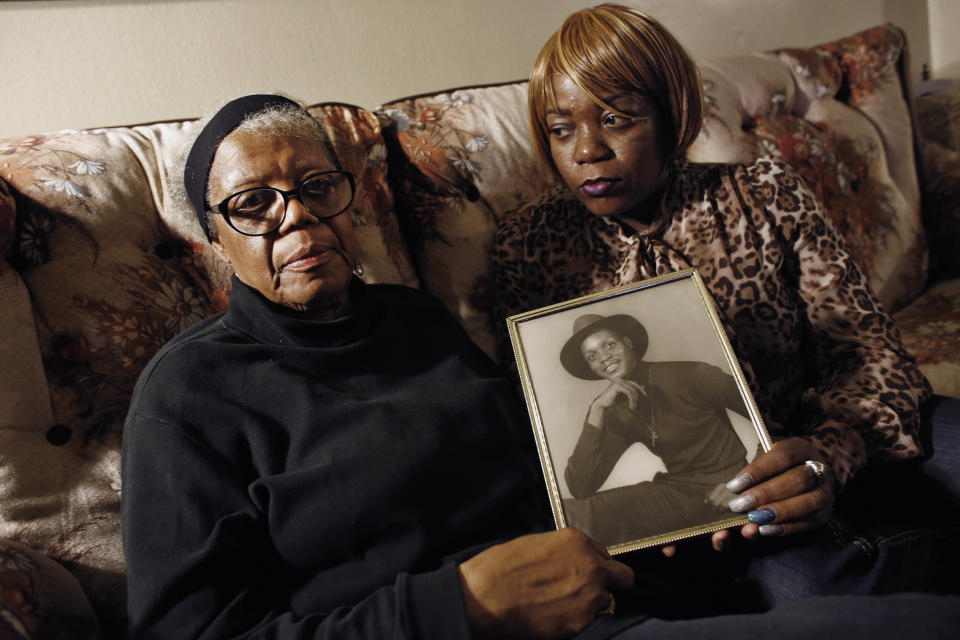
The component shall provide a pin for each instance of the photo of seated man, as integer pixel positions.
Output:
(676, 409)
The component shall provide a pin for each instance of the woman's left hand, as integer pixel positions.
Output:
(781, 494)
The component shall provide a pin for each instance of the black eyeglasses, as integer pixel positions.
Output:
(261, 210)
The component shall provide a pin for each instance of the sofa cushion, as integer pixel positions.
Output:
(21, 378)
(92, 255)
(41, 599)
(105, 266)
(8, 216)
(836, 113)
(357, 137)
(931, 332)
(458, 161)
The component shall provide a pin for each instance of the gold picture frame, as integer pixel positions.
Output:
(668, 430)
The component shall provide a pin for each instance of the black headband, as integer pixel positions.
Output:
(197, 170)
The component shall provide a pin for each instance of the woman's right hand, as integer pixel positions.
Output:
(631, 390)
(545, 585)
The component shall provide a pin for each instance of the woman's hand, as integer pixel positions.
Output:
(546, 585)
(720, 497)
(631, 390)
(779, 491)
(782, 494)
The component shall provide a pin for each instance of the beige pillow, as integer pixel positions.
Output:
(459, 160)
(837, 115)
(854, 94)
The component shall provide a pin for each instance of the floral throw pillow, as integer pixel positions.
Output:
(861, 145)
(458, 161)
(357, 137)
(836, 114)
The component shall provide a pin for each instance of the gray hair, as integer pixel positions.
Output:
(276, 120)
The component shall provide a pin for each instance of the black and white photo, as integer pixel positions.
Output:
(640, 411)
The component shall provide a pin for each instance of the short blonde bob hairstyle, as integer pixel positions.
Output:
(611, 47)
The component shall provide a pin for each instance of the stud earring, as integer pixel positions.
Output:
(358, 269)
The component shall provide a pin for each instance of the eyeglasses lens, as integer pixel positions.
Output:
(260, 211)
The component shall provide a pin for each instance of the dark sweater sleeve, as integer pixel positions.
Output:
(201, 564)
(716, 388)
(595, 455)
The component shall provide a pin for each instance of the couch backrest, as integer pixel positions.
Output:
(102, 266)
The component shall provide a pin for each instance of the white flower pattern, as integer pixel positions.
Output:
(89, 167)
(400, 117)
(182, 303)
(478, 143)
(64, 186)
(465, 164)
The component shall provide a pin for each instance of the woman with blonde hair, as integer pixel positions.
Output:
(614, 103)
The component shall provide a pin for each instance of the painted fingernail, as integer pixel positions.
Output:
(739, 483)
(742, 503)
(771, 529)
(762, 516)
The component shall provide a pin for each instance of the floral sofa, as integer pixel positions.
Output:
(102, 266)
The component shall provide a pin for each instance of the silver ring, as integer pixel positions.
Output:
(819, 470)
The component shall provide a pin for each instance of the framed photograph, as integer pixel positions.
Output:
(640, 411)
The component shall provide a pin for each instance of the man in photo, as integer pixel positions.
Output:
(677, 410)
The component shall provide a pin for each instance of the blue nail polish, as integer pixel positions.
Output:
(739, 483)
(762, 516)
(742, 503)
(771, 529)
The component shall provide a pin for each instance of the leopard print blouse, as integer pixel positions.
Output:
(821, 356)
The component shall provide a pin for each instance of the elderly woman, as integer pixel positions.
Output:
(614, 102)
(329, 458)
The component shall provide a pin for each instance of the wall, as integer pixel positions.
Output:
(944, 40)
(87, 63)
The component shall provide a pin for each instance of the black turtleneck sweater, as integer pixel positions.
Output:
(284, 478)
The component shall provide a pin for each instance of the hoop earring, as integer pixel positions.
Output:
(358, 268)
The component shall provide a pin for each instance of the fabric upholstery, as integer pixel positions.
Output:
(835, 113)
(930, 326)
(931, 323)
(358, 140)
(458, 161)
(41, 599)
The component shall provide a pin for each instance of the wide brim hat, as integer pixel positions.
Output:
(572, 359)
